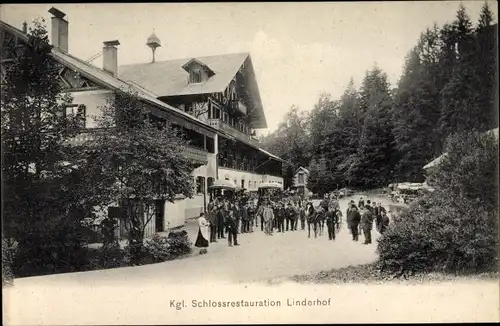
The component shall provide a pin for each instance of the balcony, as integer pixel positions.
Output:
(219, 124)
(196, 154)
(189, 151)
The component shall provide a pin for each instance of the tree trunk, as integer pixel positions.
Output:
(136, 232)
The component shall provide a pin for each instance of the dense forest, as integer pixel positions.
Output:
(375, 135)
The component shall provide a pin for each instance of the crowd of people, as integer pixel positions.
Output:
(227, 218)
(360, 219)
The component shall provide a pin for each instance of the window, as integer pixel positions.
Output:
(200, 185)
(210, 145)
(242, 183)
(255, 184)
(195, 75)
(301, 178)
(225, 117)
(76, 110)
(190, 107)
(249, 184)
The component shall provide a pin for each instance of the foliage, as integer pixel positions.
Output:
(107, 256)
(291, 140)
(375, 135)
(47, 197)
(179, 244)
(158, 248)
(456, 228)
(7, 260)
(137, 159)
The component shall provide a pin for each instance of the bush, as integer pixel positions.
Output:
(455, 229)
(179, 244)
(7, 260)
(108, 256)
(50, 249)
(158, 248)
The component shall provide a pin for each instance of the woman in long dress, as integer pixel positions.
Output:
(202, 239)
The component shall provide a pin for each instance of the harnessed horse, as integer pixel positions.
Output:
(316, 218)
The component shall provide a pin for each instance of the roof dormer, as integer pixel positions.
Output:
(198, 71)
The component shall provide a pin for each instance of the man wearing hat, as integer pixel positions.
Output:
(366, 224)
(221, 215)
(353, 219)
(212, 219)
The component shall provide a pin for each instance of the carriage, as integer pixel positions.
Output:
(222, 188)
(269, 190)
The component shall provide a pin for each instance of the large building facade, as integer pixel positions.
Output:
(215, 100)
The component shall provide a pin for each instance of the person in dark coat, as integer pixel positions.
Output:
(232, 232)
(353, 219)
(212, 219)
(367, 224)
(245, 228)
(251, 215)
(384, 223)
(361, 203)
(330, 223)
(280, 218)
(302, 212)
(377, 211)
(290, 217)
(221, 217)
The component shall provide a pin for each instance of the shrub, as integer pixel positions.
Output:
(108, 256)
(158, 248)
(455, 229)
(179, 244)
(49, 250)
(7, 259)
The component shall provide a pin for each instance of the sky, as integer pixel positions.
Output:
(298, 49)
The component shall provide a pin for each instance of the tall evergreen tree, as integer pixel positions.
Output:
(373, 163)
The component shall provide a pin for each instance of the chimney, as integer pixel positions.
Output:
(110, 57)
(59, 30)
(25, 28)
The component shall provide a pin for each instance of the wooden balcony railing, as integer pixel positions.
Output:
(219, 124)
(190, 151)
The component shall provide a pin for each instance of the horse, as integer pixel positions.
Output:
(321, 218)
(313, 217)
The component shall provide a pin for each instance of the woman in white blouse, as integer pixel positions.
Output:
(202, 239)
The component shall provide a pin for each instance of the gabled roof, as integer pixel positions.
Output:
(101, 77)
(436, 161)
(168, 78)
(193, 61)
(303, 169)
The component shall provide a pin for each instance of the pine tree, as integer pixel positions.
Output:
(460, 105)
(416, 109)
(373, 163)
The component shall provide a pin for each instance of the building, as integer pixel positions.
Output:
(300, 180)
(215, 101)
(435, 162)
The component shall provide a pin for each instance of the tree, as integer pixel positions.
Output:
(416, 109)
(291, 140)
(373, 162)
(322, 118)
(43, 211)
(459, 107)
(138, 159)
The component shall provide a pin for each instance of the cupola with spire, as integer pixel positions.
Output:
(153, 42)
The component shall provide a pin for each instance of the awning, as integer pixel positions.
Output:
(436, 161)
(272, 155)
